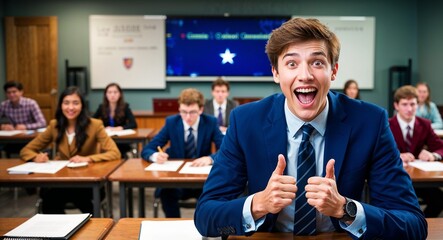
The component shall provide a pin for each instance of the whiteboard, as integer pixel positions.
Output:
(128, 50)
(357, 41)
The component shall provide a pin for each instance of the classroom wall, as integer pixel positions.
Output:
(396, 35)
(2, 52)
(430, 47)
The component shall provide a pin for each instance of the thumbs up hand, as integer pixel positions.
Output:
(322, 193)
(278, 194)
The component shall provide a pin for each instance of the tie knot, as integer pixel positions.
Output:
(408, 128)
(307, 131)
(190, 130)
(219, 108)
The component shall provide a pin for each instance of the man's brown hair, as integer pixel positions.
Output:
(190, 96)
(405, 92)
(299, 30)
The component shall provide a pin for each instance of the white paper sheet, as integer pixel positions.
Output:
(10, 133)
(427, 166)
(188, 169)
(170, 166)
(121, 132)
(49, 225)
(159, 230)
(33, 167)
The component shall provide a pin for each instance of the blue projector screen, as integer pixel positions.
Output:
(202, 48)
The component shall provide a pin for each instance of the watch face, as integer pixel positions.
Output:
(351, 208)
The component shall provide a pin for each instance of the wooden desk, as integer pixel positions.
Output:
(129, 228)
(132, 174)
(150, 119)
(425, 179)
(140, 137)
(18, 138)
(93, 176)
(95, 228)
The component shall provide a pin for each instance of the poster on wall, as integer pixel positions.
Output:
(357, 41)
(128, 50)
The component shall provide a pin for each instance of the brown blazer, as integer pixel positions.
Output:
(97, 139)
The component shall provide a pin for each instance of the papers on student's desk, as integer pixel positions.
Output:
(120, 132)
(427, 166)
(33, 167)
(59, 226)
(5, 133)
(188, 169)
(159, 230)
(170, 166)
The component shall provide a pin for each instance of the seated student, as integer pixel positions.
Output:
(220, 106)
(426, 108)
(351, 89)
(190, 134)
(23, 113)
(115, 113)
(76, 137)
(416, 139)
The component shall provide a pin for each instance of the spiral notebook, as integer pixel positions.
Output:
(48, 226)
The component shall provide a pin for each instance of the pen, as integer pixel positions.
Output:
(159, 149)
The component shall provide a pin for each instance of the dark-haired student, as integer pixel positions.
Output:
(116, 113)
(20, 113)
(190, 134)
(76, 137)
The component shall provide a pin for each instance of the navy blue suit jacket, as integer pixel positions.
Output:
(358, 138)
(173, 131)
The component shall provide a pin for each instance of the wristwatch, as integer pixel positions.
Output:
(350, 211)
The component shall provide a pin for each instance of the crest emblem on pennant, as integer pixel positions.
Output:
(128, 62)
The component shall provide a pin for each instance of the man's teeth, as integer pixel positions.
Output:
(306, 90)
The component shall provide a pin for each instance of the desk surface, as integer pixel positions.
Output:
(133, 171)
(95, 228)
(129, 228)
(94, 172)
(140, 134)
(419, 176)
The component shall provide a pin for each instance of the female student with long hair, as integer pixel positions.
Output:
(76, 137)
(115, 113)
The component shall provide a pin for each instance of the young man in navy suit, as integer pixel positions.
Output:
(422, 142)
(190, 134)
(352, 146)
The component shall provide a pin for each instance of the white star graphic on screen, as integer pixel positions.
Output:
(227, 56)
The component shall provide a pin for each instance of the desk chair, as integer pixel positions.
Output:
(188, 203)
(107, 213)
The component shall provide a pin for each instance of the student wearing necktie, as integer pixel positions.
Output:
(190, 134)
(220, 106)
(257, 179)
(416, 139)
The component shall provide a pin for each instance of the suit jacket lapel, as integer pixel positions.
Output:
(275, 132)
(337, 134)
(178, 134)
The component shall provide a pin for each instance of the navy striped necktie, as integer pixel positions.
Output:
(190, 149)
(304, 218)
(220, 117)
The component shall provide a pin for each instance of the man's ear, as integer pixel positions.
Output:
(275, 75)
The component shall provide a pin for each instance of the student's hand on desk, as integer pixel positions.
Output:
(322, 193)
(41, 157)
(162, 157)
(201, 162)
(20, 127)
(119, 128)
(7, 127)
(278, 194)
(425, 155)
(78, 158)
(406, 158)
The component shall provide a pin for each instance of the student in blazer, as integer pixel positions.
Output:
(176, 131)
(352, 141)
(424, 143)
(77, 138)
(220, 94)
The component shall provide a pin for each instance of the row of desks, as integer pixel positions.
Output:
(131, 174)
(129, 228)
